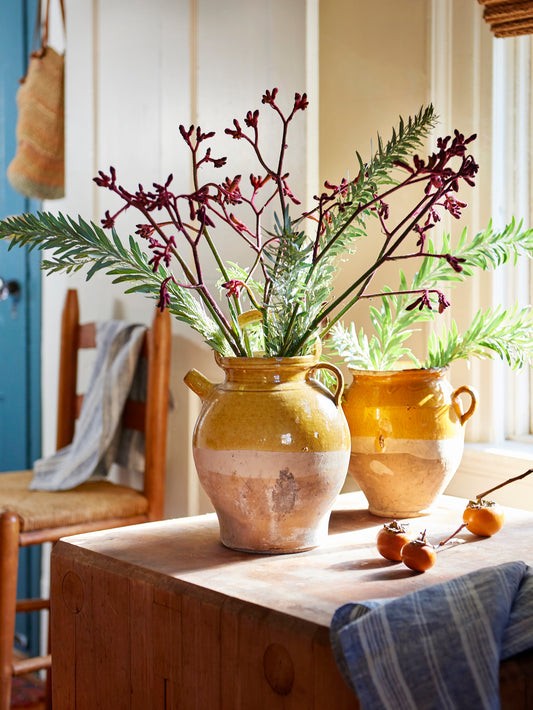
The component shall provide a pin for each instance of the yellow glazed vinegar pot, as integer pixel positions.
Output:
(271, 447)
(407, 437)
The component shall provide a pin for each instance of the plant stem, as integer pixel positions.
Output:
(411, 180)
(501, 485)
(218, 315)
(415, 216)
(443, 542)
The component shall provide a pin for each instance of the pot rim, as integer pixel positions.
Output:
(400, 371)
(358, 371)
(263, 362)
(258, 361)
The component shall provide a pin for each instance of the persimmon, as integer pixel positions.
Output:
(390, 540)
(483, 517)
(419, 555)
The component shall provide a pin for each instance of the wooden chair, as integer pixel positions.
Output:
(30, 517)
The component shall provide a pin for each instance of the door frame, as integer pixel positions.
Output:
(18, 36)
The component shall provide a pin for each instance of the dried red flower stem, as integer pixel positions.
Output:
(212, 201)
(425, 205)
(385, 254)
(364, 280)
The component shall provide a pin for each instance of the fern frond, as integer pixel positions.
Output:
(352, 346)
(403, 143)
(496, 332)
(295, 293)
(489, 249)
(362, 353)
(72, 246)
(379, 171)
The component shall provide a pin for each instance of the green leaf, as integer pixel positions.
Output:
(496, 332)
(75, 245)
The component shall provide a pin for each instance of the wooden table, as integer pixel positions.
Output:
(161, 615)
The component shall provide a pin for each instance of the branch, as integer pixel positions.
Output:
(505, 483)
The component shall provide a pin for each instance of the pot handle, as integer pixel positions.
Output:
(464, 389)
(338, 374)
(199, 384)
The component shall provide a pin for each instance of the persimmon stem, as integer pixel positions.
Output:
(501, 485)
(443, 542)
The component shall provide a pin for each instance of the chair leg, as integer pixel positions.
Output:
(48, 679)
(9, 553)
(48, 690)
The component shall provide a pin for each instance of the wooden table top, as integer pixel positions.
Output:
(309, 585)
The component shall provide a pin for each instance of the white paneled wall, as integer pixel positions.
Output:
(134, 72)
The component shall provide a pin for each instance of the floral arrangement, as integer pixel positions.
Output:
(495, 332)
(283, 299)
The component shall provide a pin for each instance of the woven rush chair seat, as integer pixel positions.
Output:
(93, 500)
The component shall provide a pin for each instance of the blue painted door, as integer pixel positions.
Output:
(19, 319)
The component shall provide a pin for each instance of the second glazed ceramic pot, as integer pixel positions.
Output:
(407, 437)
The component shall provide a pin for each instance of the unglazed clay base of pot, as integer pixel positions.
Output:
(272, 501)
(404, 483)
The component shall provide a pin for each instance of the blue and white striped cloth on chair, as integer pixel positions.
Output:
(97, 440)
(440, 647)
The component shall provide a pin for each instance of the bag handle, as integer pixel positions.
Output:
(44, 35)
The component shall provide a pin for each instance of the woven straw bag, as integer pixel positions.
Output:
(38, 168)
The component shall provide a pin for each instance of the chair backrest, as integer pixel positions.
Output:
(149, 417)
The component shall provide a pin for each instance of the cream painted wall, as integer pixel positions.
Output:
(374, 67)
(134, 72)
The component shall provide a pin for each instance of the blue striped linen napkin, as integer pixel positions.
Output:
(98, 440)
(439, 647)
